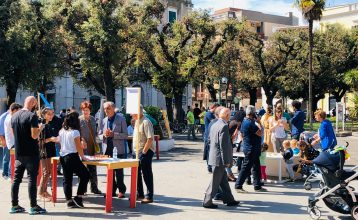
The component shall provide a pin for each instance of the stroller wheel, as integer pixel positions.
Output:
(314, 212)
(308, 186)
(354, 212)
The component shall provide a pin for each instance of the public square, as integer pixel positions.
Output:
(180, 180)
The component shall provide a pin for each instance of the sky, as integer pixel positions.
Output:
(278, 7)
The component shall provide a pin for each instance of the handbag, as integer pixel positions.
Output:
(97, 149)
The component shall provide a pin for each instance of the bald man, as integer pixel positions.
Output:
(26, 129)
(220, 156)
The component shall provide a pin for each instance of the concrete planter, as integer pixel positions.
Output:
(166, 145)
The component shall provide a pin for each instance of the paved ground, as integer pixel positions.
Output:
(180, 182)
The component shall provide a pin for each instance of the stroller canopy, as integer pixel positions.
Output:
(327, 160)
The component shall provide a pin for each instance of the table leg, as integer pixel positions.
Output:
(39, 175)
(157, 147)
(109, 190)
(280, 170)
(133, 196)
(54, 181)
(12, 161)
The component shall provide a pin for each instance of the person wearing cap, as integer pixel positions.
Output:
(143, 142)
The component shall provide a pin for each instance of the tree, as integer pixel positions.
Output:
(262, 63)
(176, 50)
(98, 38)
(312, 11)
(29, 47)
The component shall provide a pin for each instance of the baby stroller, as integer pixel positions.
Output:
(315, 175)
(336, 194)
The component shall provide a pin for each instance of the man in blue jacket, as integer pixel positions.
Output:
(297, 121)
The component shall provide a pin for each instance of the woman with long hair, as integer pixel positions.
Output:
(277, 126)
(265, 121)
(70, 157)
(47, 150)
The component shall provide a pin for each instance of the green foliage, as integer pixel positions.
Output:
(98, 38)
(30, 47)
(154, 111)
(353, 112)
(311, 9)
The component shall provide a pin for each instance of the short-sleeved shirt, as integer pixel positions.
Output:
(145, 131)
(67, 140)
(130, 130)
(251, 141)
(196, 112)
(22, 122)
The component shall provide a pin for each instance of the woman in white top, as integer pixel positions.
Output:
(277, 126)
(70, 154)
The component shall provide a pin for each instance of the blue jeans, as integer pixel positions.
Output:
(1, 156)
(6, 162)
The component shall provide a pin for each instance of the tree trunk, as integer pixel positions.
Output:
(253, 96)
(212, 92)
(12, 86)
(310, 112)
(179, 107)
(108, 78)
(168, 103)
(270, 95)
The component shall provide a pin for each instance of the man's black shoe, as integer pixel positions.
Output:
(78, 201)
(71, 204)
(233, 203)
(59, 173)
(211, 206)
(96, 191)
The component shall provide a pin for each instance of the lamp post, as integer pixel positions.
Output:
(222, 86)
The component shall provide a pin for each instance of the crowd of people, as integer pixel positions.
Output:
(37, 136)
(255, 133)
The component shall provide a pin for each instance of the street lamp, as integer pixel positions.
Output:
(222, 86)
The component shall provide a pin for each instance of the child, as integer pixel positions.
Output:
(263, 162)
(307, 152)
(70, 154)
(294, 147)
(288, 157)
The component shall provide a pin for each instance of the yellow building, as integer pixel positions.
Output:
(346, 15)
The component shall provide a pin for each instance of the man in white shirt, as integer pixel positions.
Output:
(9, 135)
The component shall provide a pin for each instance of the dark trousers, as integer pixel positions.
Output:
(191, 130)
(31, 165)
(93, 177)
(130, 146)
(145, 169)
(251, 160)
(118, 181)
(71, 164)
(218, 184)
(296, 136)
(239, 166)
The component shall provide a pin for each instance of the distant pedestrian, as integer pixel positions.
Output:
(297, 121)
(27, 129)
(196, 112)
(191, 124)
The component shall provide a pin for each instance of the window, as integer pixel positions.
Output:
(172, 15)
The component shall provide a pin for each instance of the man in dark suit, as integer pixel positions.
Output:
(113, 130)
(220, 156)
